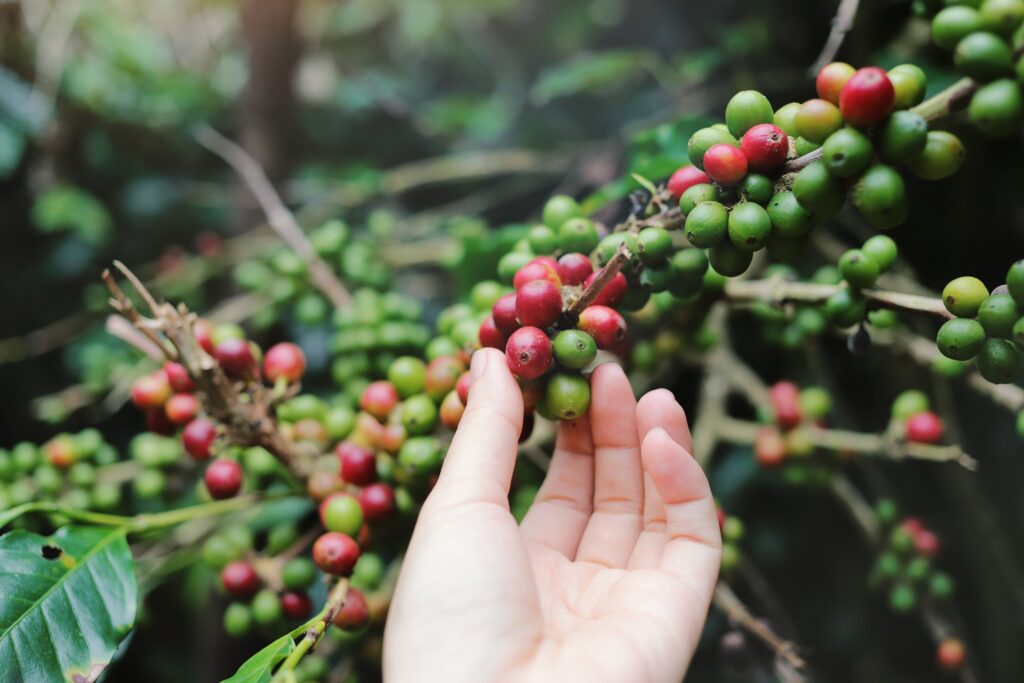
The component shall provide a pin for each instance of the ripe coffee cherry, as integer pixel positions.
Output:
(964, 296)
(785, 398)
(198, 437)
(451, 410)
(831, 79)
(537, 269)
(685, 178)
(490, 336)
(235, 356)
(296, 605)
(335, 553)
(769, 447)
(765, 146)
(574, 268)
(745, 110)
(181, 408)
(574, 349)
(943, 156)
(706, 224)
(284, 361)
(817, 119)
(223, 478)
(203, 331)
(613, 293)
(377, 502)
(725, 164)
(379, 399)
(462, 386)
(178, 377)
(567, 395)
(867, 98)
(847, 152)
(151, 391)
(341, 512)
(924, 427)
(529, 352)
(538, 304)
(358, 465)
(504, 314)
(858, 269)
(749, 226)
(927, 543)
(961, 338)
(354, 612)
(951, 654)
(604, 324)
(240, 579)
(157, 422)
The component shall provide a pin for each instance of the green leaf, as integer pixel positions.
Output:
(70, 208)
(594, 72)
(260, 667)
(645, 183)
(68, 601)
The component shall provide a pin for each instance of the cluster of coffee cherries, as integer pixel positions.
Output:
(732, 530)
(860, 269)
(791, 414)
(912, 415)
(70, 469)
(987, 39)
(905, 567)
(988, 327)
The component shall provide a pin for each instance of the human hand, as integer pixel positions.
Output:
(608, 578)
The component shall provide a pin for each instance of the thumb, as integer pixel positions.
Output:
(483, 453)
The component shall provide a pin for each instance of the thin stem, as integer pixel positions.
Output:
(727, 601)
(604, 276)
(842, 23)
(778, 292)
(316, 630)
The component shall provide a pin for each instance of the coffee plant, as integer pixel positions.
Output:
(288, 423)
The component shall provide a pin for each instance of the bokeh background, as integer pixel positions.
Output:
(432, 122)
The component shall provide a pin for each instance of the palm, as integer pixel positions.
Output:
(608, 577)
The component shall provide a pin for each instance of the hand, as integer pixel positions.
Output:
(608, 578)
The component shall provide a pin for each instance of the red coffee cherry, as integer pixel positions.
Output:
(574, 268)
(769, 447)
(604, 324)
(927, 543)
(157, 422)
(198, 437)
(284, 361)
(504, 314)
(358, 465)
(223, 478)
(540, 268)
(462, 386)
(451, 410)
(785, 397)
(831, 79)
(181, 408)
(924, 427)
(335, 553)
(528, 352)
(765, 146)
(951, 654)
(379, 399)
(685, 178)
(203, 331)
(354, 612)
(538, 304)
(240, 579)
(442, 374)
(725, 164)
(180, 381)
(235, 356)
(490, 336)
(612, 293)
(867, 97)
(296, 605)
(151, 391)
(377, 501)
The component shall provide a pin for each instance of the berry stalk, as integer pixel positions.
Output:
(778, 293)
(315, 629)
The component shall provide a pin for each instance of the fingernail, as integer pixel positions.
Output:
(478, 365)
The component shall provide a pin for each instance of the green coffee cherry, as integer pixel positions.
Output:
(983, 56)
(903, 137)
(578, 234)
(997, 314)
(421, 455)
(964, 296)
(910, 402)
(882, 250)
(567, 395)
(859, 269)
(997, 109)
(960, 338)
(689, 266)
(785, 118)
(266, 607)
(574, 349)
(653, 245)
(237, 619)
(729, 261)
(1015, 282)
(485, 293)
(703, 140)
(298, 573)
(953, 24)
(910, 82)
(998, 361)
(1001, 17)
(694, 195)
(418, 414)
(817, 191)
(706, 224)
(757, 188)
(560, 209)
(789, 219)
(880, 197)
(607, 247)
(543, 239)
(847, 152)
(845, 308)
(747, 109)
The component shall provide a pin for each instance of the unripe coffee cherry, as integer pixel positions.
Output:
(528, 352)
(377, 502)
(574, 268)
(240, 579)
(335, 553)
(296, 605)
(964, 296)
(685, 178)
(614, 290)
(769, 447)
(442, 373)
(490, 336)
(765, 146)
(223, 478)
(831, 79)
(379, 399)
(178, 377)
(198, 437)
(537, 269)
(567, 395)
(358, 465)
(867, 98)
(151, 391)
(354, 612)
(235, 356)
(604, 324)
(284, 361)
(924, 427)
(817, 119)
(341, 512)
(725, 164)
(951, 654)
(538, 304)
(451, 410)
(504, 314)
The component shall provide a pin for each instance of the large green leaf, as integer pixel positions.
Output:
(260, 667)
(67, 601)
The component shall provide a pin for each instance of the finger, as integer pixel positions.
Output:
(694, 545)
(617, 519)
(563, 505)
(479, 463)
(657, 409)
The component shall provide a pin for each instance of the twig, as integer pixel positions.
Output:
(842, 23)
(778, 291)
(124, 330)
(278, 216)
(727, 601)
(335, 600)
(601, 280)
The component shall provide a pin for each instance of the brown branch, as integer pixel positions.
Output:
(842, 23)
(726, 600)
(127, 332)
(278, 216)
(604, 276)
